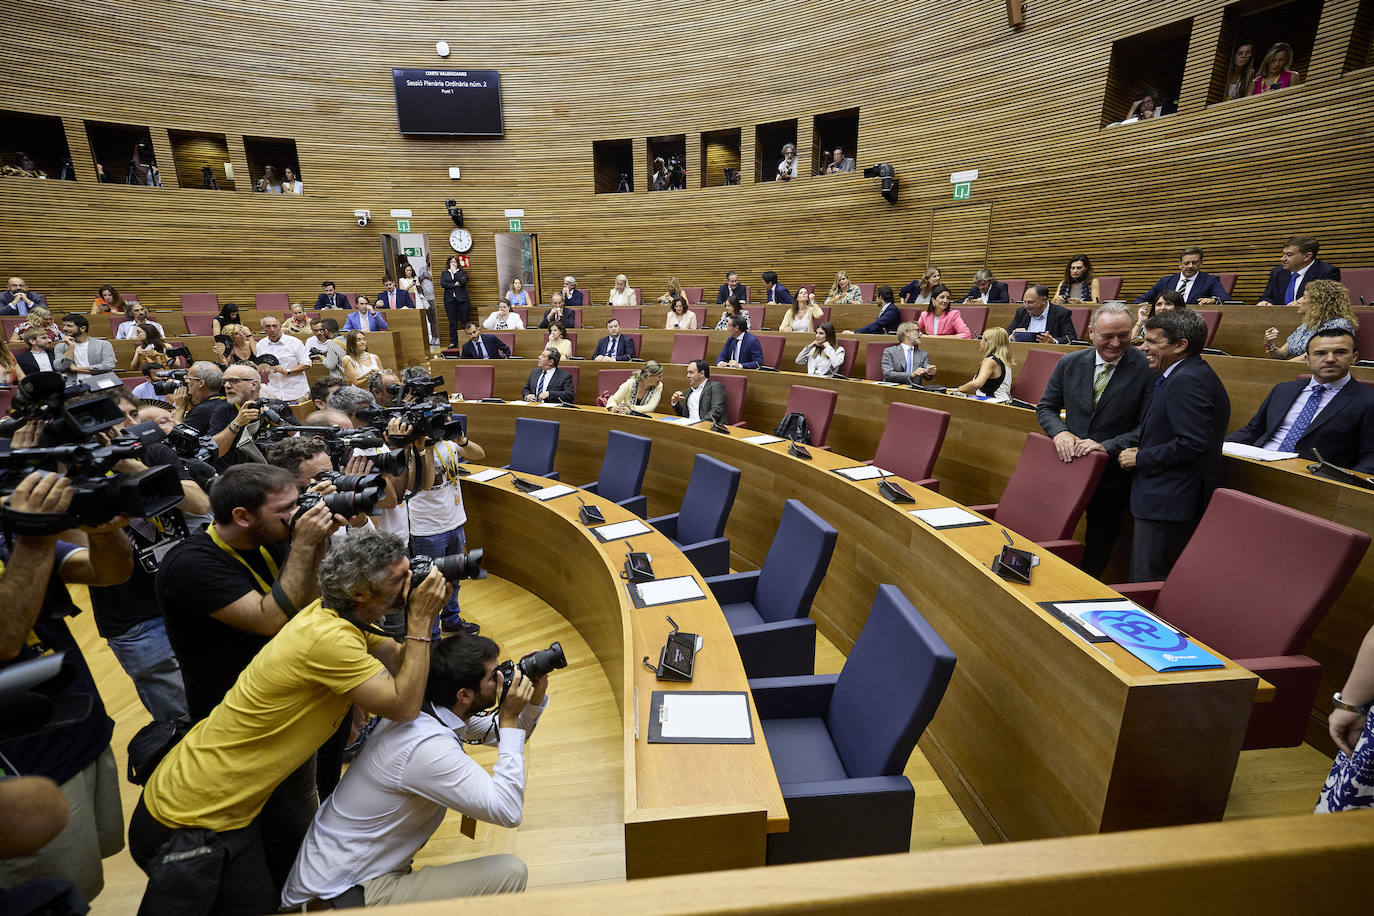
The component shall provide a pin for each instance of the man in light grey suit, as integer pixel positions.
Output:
(704, 399)
(1102, 392)
(907, 363)
(81, 354)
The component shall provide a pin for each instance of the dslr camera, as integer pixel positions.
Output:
(454, 568)
(166, 381)
(355, 495)
(533, 666)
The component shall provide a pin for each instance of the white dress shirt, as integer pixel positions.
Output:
(127, 329)
(694, 401)
(43, 360)
(1039, 323)
(1185, 286)
(291, 353)
(1331, 388)
(512, 322)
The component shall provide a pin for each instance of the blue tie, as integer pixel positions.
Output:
(543, 377)
(1299, 427)
(610, 351)
(481, 348)
(908, 360)
(1292, 292)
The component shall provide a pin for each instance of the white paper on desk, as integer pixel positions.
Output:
(680, 421)
(946, 517)
(863, 472)
(1077, 610)
(558, 489)
(666, 591)
(711, 715)
(621, 530)
(488, 474)
(764, 439)
(1238, 450)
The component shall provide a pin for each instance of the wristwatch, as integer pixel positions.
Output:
(1348, 707)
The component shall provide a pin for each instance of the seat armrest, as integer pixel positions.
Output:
(1144, 594)
(591, 487)
(551, 475)
(930, 483)
(1283, 721)
(734, 587)
(1068, 549)
(635, 504)
(799, 697)
(711, 558)
(990, 510)
(783, 649)
(849, 817)
(666, 524)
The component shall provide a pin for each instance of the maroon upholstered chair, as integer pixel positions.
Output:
(1109, 287)
(639, 299)
(825, 315)
(850, 346)
(693, 295)
(873, 359)
(1082, 317)
(1030, 378)
(200, 302)
(133, 382)
(688, 346)
(700, 312)
(975, 317)
(772, 348)
(1228, 283)
(867, 290)
(910, 312)
(576, 373)
(758, 318)
(1364, 338)
(352, 299)
(1213, 319)
(639, 343)
(524, 314)
(9, 324)
(911, 443)
(474, 382)
(1016, 290)
(271, 302)
(818, 405)
(116, 319)
(1359, 280)
(1045, 497)
(506, 337)
(1253, 583)
(608, 380)
(734, 396)
(199, 325)
(629, 317)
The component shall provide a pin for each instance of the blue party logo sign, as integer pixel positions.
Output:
(1136, 629)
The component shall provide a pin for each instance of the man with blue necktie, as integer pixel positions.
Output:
(1298, 266)
(742, 350)
(1196, 286)
(363, 318)
(907, 363)
(18, 298)
(548, 382)
(483, 346)
(614, 347)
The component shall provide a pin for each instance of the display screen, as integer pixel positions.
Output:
(449, 103)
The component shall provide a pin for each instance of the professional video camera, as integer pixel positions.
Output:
(428, 422)
(341, 443)
(166, 381)
(271, 411)
(73, 413)
(533, 666)
(421, 389)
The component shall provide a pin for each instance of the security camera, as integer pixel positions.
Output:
(363, 216)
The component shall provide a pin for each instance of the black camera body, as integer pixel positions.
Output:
(533, 666)
(73, 413)
(454, 568)
(348, 503)
(429, 422)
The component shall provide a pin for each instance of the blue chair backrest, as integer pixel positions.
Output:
(889, 689)
(622, 470)
(706, 504)
(536, 442)
(795, 565)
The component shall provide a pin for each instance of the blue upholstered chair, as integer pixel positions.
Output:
(622, 471)
(839, 754)
(768, 608)
(698, 529)
(536, 442)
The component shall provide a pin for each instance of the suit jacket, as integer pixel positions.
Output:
(894, 363)
(885, 323)
(496, 349)
(1058, 323)
(7, 306)
(340, 302)
(778, 294)
(568, 318)
(749, 354)
(624, 348)
(560, 385)
(355, 322)
(573, 299)
(1178, 464)
(723, 294)
(712, 405)
(1114, 421)
(100, 353)
(455, 286)
(1343, 432)
(1205, 286)
(1277, 286)
(403, 300)
(997, 292)
(24, 359)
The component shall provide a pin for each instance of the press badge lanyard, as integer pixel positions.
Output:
(271, 564)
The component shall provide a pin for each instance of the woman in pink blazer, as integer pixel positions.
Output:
(941, 320)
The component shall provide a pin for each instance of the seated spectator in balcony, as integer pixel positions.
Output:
(108, 302)
(269, 183)
(1050, 323)
(503, 319)
(1146, 107)
(1342, 427)
(40, 318)
(572, 296)
(558, 339)
(37, 355)
(291, 182)
(1273, 70)
(733, 309)
(228, 314)
(993, 380)
(518, 296)
(614, 347)
(839, 162)
(801, 318)
(640, 392)
(1240, 75)
(822, 356)
(917, 292)
(787, 168)
(151, 349)
(1167, 302)
(775, 291)
(137, 315)
(941, 320)
(23, 168)
(907, 363)
(559, 312)
(986, 289)
(1079, 286)
(889, 316)
(843, 292)
(680, 315)
(393, 298)
(732, 289)
(742, 350)
(1324, 304)
(18, 298)
(242, 347)
(1198, 288)
(483, 346)
(1298, 265)
(364, 317)
(330, 299)
(622, 295)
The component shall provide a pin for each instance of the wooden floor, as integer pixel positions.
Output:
(572, 830)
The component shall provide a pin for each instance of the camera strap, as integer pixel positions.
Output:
(35, 524)
(267, 558)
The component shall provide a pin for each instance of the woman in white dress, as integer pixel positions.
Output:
(822, 356)
(357, 363)
(503, 319)
(622, 296)
(802, 317)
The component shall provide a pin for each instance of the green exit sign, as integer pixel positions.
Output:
(963, 190)
(402, 225)
(515, 225)
(413, 252)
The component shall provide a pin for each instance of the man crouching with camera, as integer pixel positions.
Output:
(395, 794)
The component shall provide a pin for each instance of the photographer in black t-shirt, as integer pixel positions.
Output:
(202, 405)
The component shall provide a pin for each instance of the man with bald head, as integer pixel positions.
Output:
(18, 298)
(286, 380)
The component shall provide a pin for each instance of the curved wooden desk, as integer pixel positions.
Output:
(688, 807)
(1039, 734)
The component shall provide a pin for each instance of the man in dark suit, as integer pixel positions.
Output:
(1198, 288)
(704, 399)
(572, 296)
(614, 347)
(986, 289)
(548, 382)
(742, 350)
(37, 355)
(557, 311)
(1178, 462)
(731, 287)
(483, 346)
(1101, 391)
(1331, 412)
(1051, 323)
(17, 299)
(1298, 266)
(889, 316)
(776, 292)
(393, 298)
(329, 299)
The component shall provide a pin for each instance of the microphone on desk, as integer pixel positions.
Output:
(1362, 302)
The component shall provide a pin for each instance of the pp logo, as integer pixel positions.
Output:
(1136, 630)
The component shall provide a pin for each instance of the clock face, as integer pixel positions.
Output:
(460, 240)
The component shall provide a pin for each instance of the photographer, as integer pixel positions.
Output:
(659, 181)
(361, 847)
(201, 404)
(285, 704)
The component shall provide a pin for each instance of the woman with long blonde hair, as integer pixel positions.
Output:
(1323, 304)
(844, 292)
(357, 363)
(993, 381)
